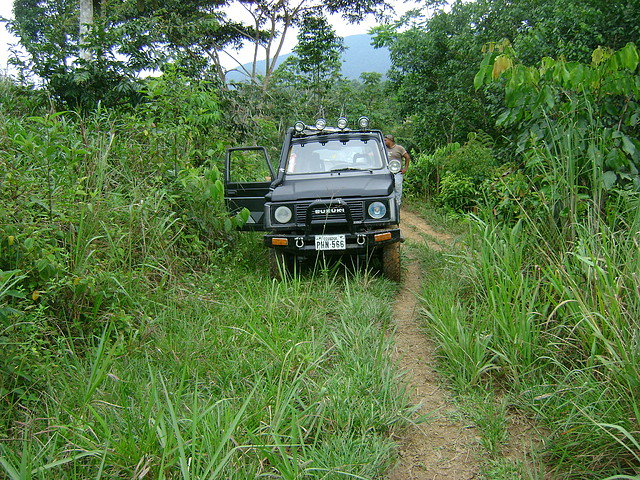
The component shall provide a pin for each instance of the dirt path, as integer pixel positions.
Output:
(443, 447)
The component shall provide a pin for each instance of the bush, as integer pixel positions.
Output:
(98, 210)
(18, 100)
(475, 159)
(454, 176)
(423, 178)
(458, 192)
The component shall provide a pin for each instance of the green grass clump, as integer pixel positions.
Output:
(554, 332)
(226, 378)
(140, 335)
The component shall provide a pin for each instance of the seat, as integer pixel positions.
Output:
(315, 163)
(360, 159)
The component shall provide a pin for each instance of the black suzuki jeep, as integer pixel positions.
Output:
(333, 194)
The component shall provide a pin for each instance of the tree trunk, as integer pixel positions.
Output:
(86, 21)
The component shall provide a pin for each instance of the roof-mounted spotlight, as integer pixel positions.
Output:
(299, 127)
(363, 123)
(321, 123)
(342, 123)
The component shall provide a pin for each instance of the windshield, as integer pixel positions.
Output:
(334, 155)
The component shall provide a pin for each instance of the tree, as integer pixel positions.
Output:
(86, 21)
(125, 37)
(48, 32)
(276, 18)
(592, 107)
(119, 39)
(317, 56)
(433, 64)
(191, 34)
(435, 60)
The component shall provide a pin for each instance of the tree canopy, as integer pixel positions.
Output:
(435, 58)
(127, 37)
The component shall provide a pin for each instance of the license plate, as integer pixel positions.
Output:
(331, 242)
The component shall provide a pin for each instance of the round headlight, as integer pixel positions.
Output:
(299, 127)
(283, 214)
(342, 123)
(395, 166)
(363, 123)
(377, 210)
(321, 123)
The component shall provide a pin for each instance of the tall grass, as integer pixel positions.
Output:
(140, 337)
(230, 379)
(546, 310)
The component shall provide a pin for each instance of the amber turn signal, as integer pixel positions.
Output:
(381, 237)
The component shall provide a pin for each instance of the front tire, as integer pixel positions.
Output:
(280, 264)
(391, 261)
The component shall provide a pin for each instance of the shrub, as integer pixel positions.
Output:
(19, 100)
(458, 192)
(97, 211)
(423, 178)
(453, 176)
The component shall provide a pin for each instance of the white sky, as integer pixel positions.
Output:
(5, 39)
(341, 27)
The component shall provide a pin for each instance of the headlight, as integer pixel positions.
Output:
(395, 166)
(299, 127)
(363, 123)
(342, 123)
(321, 123)
(283, 214)
(377, 210)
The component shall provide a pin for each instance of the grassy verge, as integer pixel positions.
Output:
(437, 219)
(140, 337)
(551, 338)
(229, 375)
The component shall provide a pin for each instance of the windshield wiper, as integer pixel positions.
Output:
(347, 169)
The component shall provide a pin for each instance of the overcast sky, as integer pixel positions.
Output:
(5, 39)
(341, 27)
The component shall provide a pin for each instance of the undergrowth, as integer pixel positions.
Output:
(228, 375)
(140, 336)
(554, 336)
(542, 304)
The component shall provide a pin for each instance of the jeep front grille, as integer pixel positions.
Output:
(332, 213)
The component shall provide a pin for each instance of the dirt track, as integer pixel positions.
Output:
(443, 447)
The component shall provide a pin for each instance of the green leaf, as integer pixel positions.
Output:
(503, 118)
(616, 160)
(11, 470)
(242, 217)
(483, 71)
(628, 145)
(478, 80)
(609, 179)
(219, 191)
(628, 56)
(546, 97)
(577, 74)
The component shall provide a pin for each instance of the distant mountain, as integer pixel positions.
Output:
(359, 57)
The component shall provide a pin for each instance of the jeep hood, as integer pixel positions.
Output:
(335, 185)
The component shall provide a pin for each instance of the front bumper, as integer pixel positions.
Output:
(359, 242)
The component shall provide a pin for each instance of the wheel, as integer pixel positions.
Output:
(391, 261)
(280, 264)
